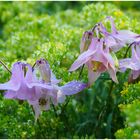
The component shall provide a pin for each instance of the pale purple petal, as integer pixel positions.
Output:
(31, 82)
(85, 41)
(10, 94)
(60, 97)
(54, 80)
(73, 87)
(135, 74)
(82, 59)
(126, 36)
(15, 81)
(44, 69)
(113, 27)
(128, 63)
(92, 76)
(112, 73)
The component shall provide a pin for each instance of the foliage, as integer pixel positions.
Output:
(33, 30)
(130, 109)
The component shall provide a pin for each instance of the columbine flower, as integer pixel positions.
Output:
(21, 85)
(117, 38)
(44, 97)
(98, 59)
(132, 63)
(86, 40)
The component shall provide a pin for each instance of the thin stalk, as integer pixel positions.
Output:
(81, 70)
(5, 67)
(128, 49)
(33, 65)
(94, 28)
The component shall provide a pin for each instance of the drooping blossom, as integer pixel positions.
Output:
(116, 38)
(86, 41)
(55, 95)
(39, 90)
(132, 63)
(98, 59)
(99, 53)
(21, 85)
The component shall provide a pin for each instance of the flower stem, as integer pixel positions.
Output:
(5, 67)
(128, 49)
(33, 66)
(81, 70)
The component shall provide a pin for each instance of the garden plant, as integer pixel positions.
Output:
(69, 70)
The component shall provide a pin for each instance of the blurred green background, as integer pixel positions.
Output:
(53, 30)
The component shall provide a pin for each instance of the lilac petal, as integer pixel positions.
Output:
(112, 74)
(126, 36)
(44, 69)
(113, 27)
(135, 74)
(128, 63)
(36, 108)
(53, 79)
(82, 59)
(92, 76)
(10, 94)
(86, 56)
(138, 51)
(72, 87)
(25, 93)
(31, 82)
(113, 44)
(135, 55)
(15, 81)
(104, 30)
(85, 41)
(42, 85)
(60, 97)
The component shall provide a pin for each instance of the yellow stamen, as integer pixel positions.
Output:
(96, 65)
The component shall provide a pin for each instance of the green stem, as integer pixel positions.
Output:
(5, 67)
(81, 70)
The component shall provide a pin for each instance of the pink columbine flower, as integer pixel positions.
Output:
(98, 59)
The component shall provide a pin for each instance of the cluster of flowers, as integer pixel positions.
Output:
(98, 48)
(39, 86)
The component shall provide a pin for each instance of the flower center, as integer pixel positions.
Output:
(96, 65)
(42, 101)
